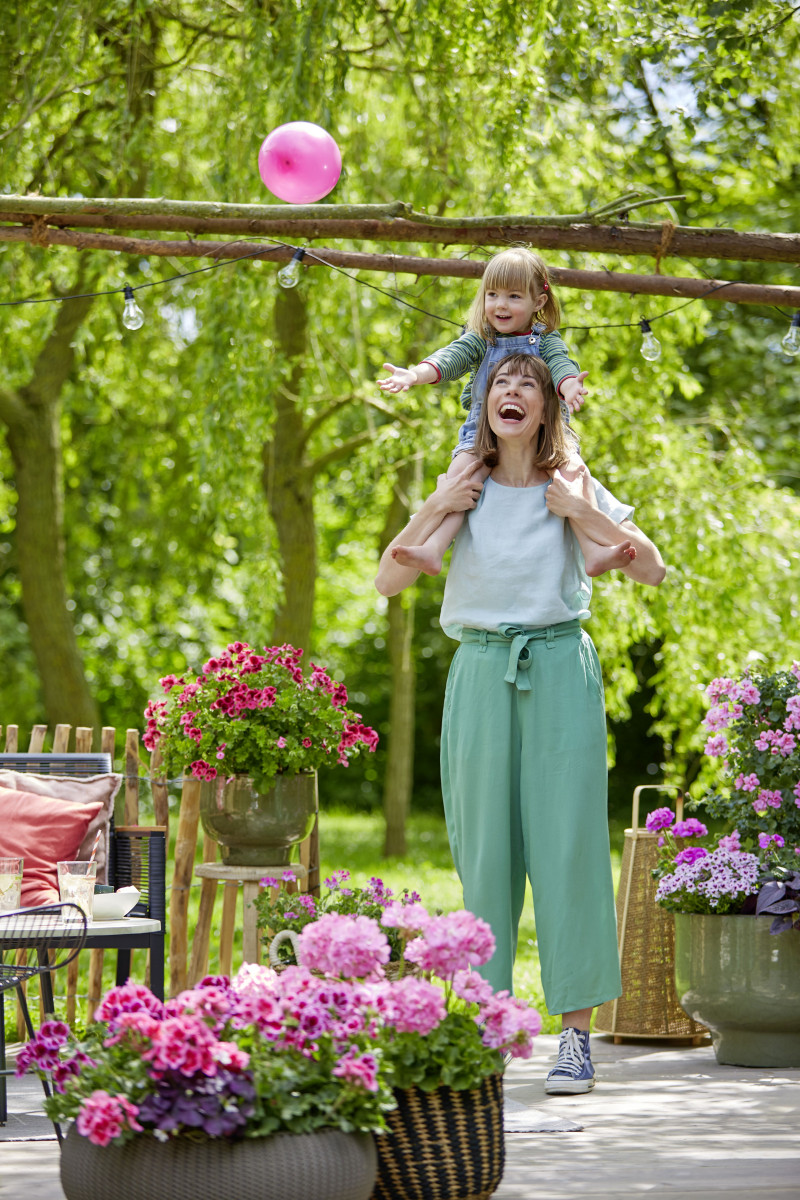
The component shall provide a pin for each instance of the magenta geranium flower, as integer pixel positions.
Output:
(659, 818)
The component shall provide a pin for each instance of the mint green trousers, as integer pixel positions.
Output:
(524, 779)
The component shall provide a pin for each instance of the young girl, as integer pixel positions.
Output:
(514, 290)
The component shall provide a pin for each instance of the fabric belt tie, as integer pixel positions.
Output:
(520, 654)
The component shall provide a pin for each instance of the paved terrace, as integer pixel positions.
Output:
(664, 1121)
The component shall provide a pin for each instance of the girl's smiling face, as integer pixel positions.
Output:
(511, 310)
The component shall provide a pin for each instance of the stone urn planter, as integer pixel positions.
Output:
(743, 982)
(324, 1165)
(255, 828)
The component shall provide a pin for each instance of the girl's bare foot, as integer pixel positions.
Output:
(421, 558)
(609, 558)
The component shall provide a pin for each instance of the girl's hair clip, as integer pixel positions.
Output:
(545, 286)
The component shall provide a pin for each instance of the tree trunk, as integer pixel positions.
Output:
(399, 777)
(288, 482)
(33, 418)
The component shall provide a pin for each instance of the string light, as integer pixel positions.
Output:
(132, 315)
(651, 346)
(289, 276)
(790, 345)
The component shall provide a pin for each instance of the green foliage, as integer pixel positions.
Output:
(457, 108)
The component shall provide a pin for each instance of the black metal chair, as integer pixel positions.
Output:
(137, 857)
(40, 930)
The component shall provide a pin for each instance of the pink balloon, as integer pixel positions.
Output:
(299, 162)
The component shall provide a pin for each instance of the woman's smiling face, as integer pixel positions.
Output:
(515, 405)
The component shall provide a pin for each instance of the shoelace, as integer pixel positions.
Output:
(571, 1055)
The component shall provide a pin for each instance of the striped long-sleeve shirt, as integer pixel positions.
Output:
(466, 353)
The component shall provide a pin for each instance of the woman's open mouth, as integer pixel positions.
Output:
(511, 412)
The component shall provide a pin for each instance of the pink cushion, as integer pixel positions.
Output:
(43, 832)
(77, 790)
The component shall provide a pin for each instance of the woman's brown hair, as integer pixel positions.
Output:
(516, 269)
(556, 441)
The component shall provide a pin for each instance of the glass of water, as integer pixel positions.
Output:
(10, 884)
(76, 884)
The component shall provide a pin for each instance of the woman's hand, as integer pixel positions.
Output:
(460, 489)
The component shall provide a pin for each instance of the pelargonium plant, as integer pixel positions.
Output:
(254, 714)
(319, 1045)
(279, 909)
(754, 730)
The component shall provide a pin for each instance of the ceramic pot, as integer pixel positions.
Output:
(255, 828)
(324, 1165)
(743, 982)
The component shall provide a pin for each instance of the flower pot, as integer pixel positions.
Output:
(324, 1165)
(258, 828)
(743, 982)
(442, 1145)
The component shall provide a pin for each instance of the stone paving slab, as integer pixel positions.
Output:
(665, 1122)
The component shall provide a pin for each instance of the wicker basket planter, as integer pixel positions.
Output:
(443, 1145)
(325, 1165)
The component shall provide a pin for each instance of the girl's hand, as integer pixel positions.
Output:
(573, 391)
(400, 380)
(569, 497)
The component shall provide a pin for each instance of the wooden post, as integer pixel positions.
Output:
(36, 743)
(160, 793)
(185, 845)
(202, 933)
(132, 777)
(12, 738)
(84, 736)
(61, 739)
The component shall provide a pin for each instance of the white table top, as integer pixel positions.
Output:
(126, 925)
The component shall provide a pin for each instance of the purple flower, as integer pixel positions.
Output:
(659, 818)
(690, 854)
(691, 827)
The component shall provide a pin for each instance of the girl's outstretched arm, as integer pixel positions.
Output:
(402, 378)
(454, 493)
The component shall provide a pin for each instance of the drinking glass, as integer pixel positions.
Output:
(76, 884)
(10, 884)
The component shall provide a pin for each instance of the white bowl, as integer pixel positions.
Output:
(113, 906)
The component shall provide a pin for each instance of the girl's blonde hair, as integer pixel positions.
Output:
(556, 442)
(516, 269)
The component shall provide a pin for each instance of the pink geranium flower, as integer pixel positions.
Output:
(355, 947)
(452, 943)
(103, 1117)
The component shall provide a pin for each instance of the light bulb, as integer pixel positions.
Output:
(651, 346)
(132, 315)
(791, 343)
(289, 275)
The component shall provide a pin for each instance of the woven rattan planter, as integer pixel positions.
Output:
(648, 1006)
(442, 1145)
(326, 1165)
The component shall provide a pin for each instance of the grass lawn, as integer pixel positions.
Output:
(354, 841)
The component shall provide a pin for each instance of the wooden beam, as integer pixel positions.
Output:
(596, 281)
(624, 239)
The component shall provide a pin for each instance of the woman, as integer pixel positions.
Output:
(523, 757)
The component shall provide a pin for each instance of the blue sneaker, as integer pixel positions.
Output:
(573, 1073)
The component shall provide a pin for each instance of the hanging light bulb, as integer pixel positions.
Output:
(651, 346)
(132, 315)
(790, 345)
(289, 275)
